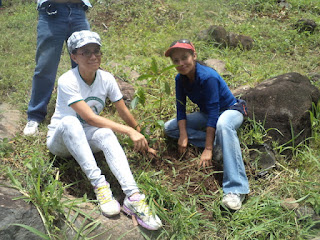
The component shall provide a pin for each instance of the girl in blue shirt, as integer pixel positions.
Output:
(215, 125)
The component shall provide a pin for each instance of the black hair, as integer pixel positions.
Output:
(74, 51)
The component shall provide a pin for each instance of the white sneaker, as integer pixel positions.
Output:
(233, 200)
(31, 128)
(136, 205)
(108, 205)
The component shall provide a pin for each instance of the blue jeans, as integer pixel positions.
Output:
(53, 30)
(234, 174)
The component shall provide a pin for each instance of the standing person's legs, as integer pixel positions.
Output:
(196, 128)
(52, 31)
(49, 47)
(77, 22)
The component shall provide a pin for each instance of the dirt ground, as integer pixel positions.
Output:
(181, 170)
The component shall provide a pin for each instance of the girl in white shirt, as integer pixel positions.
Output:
(77, 129)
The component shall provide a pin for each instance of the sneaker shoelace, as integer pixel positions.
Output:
(104, 194)
(142, 208)
(31, 123)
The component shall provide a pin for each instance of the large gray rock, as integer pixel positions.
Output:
(17, 211)
(281, 101)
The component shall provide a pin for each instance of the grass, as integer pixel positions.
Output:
(135, 34)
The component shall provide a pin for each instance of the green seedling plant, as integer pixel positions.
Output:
(153, 96)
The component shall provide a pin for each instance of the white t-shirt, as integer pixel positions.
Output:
(72, 88)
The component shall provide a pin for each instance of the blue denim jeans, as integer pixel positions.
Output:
(234, 174)
(53, 30)
(71, 138)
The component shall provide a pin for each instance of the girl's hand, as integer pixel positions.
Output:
(139, 141)
(206, 158)
(182, 145)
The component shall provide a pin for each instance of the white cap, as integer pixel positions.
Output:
(81, 38)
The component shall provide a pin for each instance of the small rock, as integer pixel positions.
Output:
(219, 66)
(127, 91)
(289, 203)
(236, 40)
(284, 4)
(304, 212)
(305, 25)
(218, 34)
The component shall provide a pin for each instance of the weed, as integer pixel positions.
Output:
(45, 191)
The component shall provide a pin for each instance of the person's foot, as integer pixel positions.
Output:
(233, 200)
(31, 128)
(136, 205)
(108, 205)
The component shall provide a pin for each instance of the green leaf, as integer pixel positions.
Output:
(160, 123)
(144, 76)
(154, 66)
(142, 96)
(167, 88)
(134, 102)
(13, 179)
(168, 68)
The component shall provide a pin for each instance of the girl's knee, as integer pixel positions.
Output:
(171, 125)
(102, 133)
(71, 124)
(70, 120)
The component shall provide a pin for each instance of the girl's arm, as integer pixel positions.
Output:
(85, 112)
(183, 138)
(206, 156)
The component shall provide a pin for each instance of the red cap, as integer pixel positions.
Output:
(179, 45)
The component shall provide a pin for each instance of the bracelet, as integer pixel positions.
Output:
(208, 148)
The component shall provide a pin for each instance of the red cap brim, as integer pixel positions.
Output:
(188, 46)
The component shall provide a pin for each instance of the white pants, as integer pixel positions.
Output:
(71, 138)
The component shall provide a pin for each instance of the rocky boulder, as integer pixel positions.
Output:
(17, 212)
(283, 103)
(218, 35)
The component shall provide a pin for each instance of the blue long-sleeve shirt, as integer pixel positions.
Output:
(209, 91)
